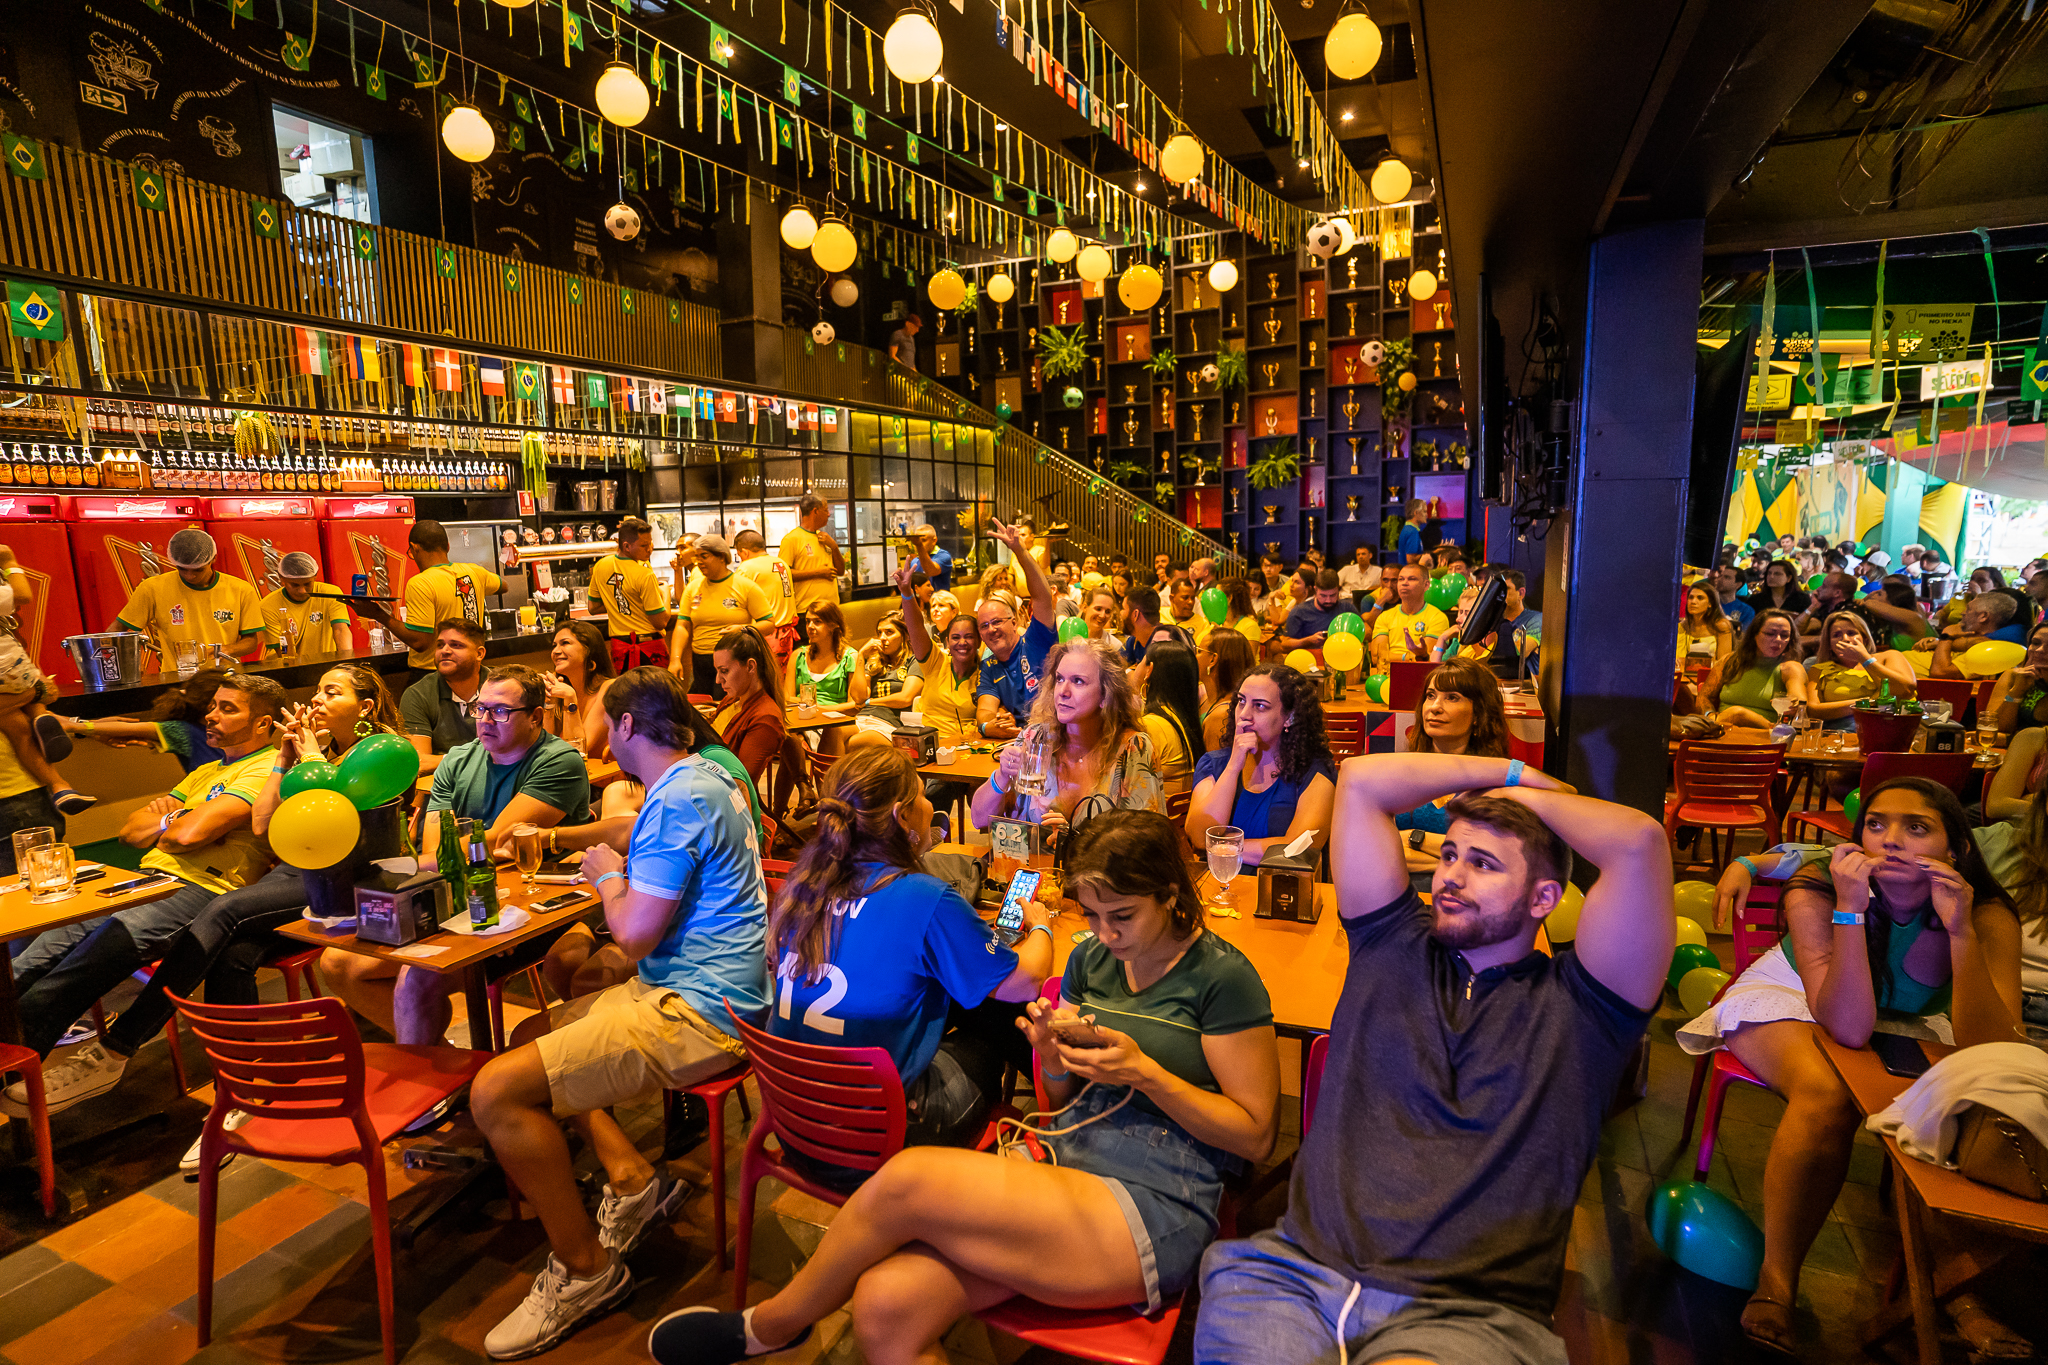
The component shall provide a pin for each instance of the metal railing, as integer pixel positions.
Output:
(85, 221)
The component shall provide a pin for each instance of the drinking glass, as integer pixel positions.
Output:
(1987, 731)
(526, 852)
(806, 696)
(1226, 855)
(1783, 706)
(187, 655)
(1939, 712)
(50, 869)
(28, 839)
(529, 617)
(1031, 776)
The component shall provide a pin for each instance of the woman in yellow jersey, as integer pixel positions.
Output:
(952, 666)
(1172, 712)
(1848, 668)
(1238, 613)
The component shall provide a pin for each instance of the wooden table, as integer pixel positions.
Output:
(817, 720)
(19, 918)
(463, 956)
(1926, 1189)
(965, 767)
(602, 771)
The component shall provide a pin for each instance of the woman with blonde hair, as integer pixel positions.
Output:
(1097, 754)
(998, 578)
(1848, 667)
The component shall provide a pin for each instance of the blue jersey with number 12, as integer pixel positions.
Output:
(900, 952)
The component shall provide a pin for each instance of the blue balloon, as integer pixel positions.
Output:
(1706, 1232)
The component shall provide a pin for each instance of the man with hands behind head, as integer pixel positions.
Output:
(1467, 1079)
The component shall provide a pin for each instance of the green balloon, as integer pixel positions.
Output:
(1376, 687)
(312, 775)
(1813, 583)
(1004, 412)
(1706, 1232)
(1455, 584)
(1073, 628)
(376, 770)
(1689, 956)
(1350, 623)
(1215, 605)
(1852, 804)
(1441, 596)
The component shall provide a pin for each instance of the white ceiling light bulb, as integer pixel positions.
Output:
(1094, 263)
(1180, 160)
(1223, 276)
(1391, 180)
(1000, 288)
(622, 95)
(1348, 235)
(1060, 246)
(912, 48)
(845, 292)
(467, 134)
(799, 226)
(1352, 48)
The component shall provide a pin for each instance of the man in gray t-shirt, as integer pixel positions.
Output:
(903, 342)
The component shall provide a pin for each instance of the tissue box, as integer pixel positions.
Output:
(396, 908)
(1944, 738)
(920, 742)
(1287, 889)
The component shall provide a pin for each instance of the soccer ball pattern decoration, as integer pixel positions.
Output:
(1371, 353)
(1072, 397)
(823, 334)
(1210, 372)
(1324, 240)
(622, 221)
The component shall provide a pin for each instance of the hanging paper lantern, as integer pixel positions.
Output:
(1140, 288)
(1391, 180)
(1071, 396)
(467, 134)
(1060, 246)
(834, 247)
(1352, 48)
(1422, 285)
(1180, 160)
(913, 49)
(1223, 276)
(621, 95)
(1000, 288)
(799, 226)
(1094, 263)
(946, 289)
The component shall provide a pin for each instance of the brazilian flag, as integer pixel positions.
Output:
(34, 310)
(510, 276)
(785, 131)
(422, 67)
(631, 179)
(573, 159)
(515, 138)
(24, 155)
(575, 290)
(720, 42)
(792, 85)
(572, 30)
(910, 148)
(626, 301)
(860, 122)
(675, 311)
(522, 106)
(266, 221)
(444, 262)
(373, 82)
(526, 381)
(297, 52)
(244, 9)
(365, 241)
(149, 188)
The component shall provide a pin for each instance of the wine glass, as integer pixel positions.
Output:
(1226, 855)
(526, 852)
(1783, 706)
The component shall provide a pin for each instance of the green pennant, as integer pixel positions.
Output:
(522, 106)
(510, 276)
(572, 29)
(910, 147)
(2034, 376)
(721, 44)
(626, 301)
(573, 159)
(631, 179)
(444, 262)
(785, 130)
(526, 381)
(422, 67)
(809, 344)
(297, 52)
(594, 393)
(149, 188)
(724, 103)
(266, 221)
(365, 238)
(996, 192)
(593, 140)
(860, 122)
(373, 82)
(34, 310)
(515, 137)
(244, 9)
(1030, 203)
(792, 85)
(575, 291)
(24, 155)
(675, 311)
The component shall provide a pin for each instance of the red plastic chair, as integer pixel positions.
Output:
(25, 1060)
(714, 1093)
(1346, 733)
(1722, 788)
(1756, 931)
(301, 970)
(317, 1093)
(1405, 681)
(1951, 770)
(1960, 693)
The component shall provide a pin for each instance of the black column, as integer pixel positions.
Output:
(1613, 557)
(750, 296)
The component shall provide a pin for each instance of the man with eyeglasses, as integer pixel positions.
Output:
(1016, 657)
(514, 773)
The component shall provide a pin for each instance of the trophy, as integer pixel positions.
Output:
(1311, 352)
(1273, 285)
(1194, 378)
(1002, 359)
(1130, 393)
(1166, 410)
(1311, 402)
(1131, 429)
(999, 315)
(1272, 547)
(1437, 361)
(1100, 323)
(1233, 499)
(1065, 303)
(1063, 438)
(1034, 288)
(1350, 411)
(1311, 450)
(1166, 461)
(1130, 343)
(1272, 419)
(1272, 519)
(1233, 321)
(1351, 368)
(1351, 508)
(1195, 412)
(1195, 290)
(1443, 310)
(1236, 413)
(1351, 311)
(1271, 369)
(1233, 539)
(1165, 325)
(1098, 369)
(1395, 286)
(1354, 452)
(1350, 282)
(1272, 325)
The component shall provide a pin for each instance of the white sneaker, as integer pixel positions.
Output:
(623, 1221)
(188, 1164)
(90, 1071)
(556, 1306)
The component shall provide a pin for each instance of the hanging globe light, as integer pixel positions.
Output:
(621, 95)
(515, 4)
(1223, 276)
(1000, 288)
(1391, 180)
(1093, 264)
(1422, 285)
(913, 49)
(1352, 48)
(845, 292)
(834, 247)
(467, 134)
(1140, 287)
(1347, 234)
(799, 226)
(1060, 246)
(1180, 160)
(946, 289)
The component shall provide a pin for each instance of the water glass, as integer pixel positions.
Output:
(27, 839)
(187, 657)
(1939, 712)
(1226, 856)
(1987, 731)
(526, 852)
(50, 870)
(1031, 777)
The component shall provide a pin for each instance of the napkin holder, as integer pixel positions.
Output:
(1943, 737)
(395, 908)
(1287, 888)
(920, 742)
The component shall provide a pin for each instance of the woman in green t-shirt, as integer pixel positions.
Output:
(1763, 667)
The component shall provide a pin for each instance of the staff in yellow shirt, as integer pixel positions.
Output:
(635, 604)
(716, 600)
(771, 575)
(439, 591)
(813, 556)
(295, 621)
(195, 602)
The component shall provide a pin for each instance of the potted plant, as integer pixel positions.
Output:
(1277, 464)
(1126, 471)
(1162, 493)
(1400, 355)
(1231, 368)
(1161, 362)
(1061, 353)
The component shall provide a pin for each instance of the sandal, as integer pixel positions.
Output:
(1986, 1336)
(1781, 1346)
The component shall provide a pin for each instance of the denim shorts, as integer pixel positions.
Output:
(1168, 1184)
(2034, 1015)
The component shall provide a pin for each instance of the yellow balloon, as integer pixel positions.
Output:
(1698, 987)
(315, 829)
(1689, 931)
(1300, 660)
(1695, 901)
(1344, 652)
(1989, 657)
(1562, 924)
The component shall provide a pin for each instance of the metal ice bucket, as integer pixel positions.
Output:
(111, 658)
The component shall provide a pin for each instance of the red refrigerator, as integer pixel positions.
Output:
(253, 534)
(116, 542)
(366, 535)
(32, 525)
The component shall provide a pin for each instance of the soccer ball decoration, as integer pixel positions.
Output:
(622, 221)
(1072, 397)
(1004, 412)
(1371, 353)
(823, 333)
(1324, 240)
(1210, 372)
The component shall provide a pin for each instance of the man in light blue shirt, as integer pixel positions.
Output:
(689, 905)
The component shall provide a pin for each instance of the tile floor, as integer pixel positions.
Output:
(295, 1279)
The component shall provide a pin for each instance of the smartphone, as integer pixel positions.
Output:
(1902, 1056)
(91, 874)
(136, 884)
(555, 872)
(1010, 918)
(1079, 1033)
(561, 902)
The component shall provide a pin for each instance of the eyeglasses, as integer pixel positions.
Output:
(497, 715)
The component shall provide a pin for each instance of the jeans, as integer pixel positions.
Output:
(223, 946)
(25, 811)
(65, 971)
(1266, 1302)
